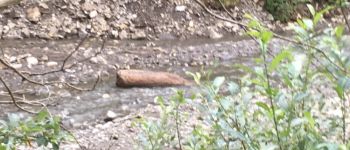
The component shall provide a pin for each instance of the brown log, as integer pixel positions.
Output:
(142, 78)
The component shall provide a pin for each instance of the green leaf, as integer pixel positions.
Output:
(42, 141)
(42, 115)
(311, 9)
(233, 88)
(301, 24)
(266, 36)
(196, 77)
(310, 119)
(319, 14)
(339, 30)
(278, 59)
(339, 91)
(218, 81)
(2, 147)
(264, 106)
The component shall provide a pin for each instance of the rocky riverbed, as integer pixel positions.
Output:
(122, 19)
(85, 112)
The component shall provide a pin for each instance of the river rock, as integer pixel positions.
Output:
(214, 34)
(138, 35)
(32, 61)
(33, 14)
(123, 35)
(51, 64)
(110, 116)
(180, 8)
(93, 14)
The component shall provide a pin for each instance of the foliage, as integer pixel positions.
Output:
(217, 4)
(295, 99)
(281, 10)
(43, 129)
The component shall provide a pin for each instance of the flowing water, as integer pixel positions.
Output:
(80, 106)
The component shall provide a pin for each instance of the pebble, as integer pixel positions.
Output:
(180, 8)
(33, 14)
(139, 35)
(93, 14)
(16, 66)
(32, 61)
(110, 116)
(214, 35)
(123, 35)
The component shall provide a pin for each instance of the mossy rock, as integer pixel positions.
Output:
(217, 5)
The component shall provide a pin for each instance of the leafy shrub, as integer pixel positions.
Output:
(43, 129)
(296, 99)
(282, 10)
(217, 3)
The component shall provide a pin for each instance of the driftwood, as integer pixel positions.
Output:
(142, 78)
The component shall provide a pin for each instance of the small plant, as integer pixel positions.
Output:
(165, 132)
(43, 129)
(218, 4)
(295, 99)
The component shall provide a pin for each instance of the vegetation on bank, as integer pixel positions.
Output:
(43, 130)
(296, 99)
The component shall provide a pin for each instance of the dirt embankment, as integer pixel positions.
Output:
(119, 19)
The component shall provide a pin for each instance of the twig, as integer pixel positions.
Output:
(344, 15)
(61, 69)
(13, 98)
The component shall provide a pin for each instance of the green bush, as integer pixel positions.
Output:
(43, 129)
(217, 3)
(282, 10)
(284, 101)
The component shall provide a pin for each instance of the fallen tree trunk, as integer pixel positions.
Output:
(142, 78)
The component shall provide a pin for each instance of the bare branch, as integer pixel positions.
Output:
(13, 98)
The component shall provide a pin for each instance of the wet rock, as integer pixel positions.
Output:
(43, 5)
(33, 14)
(32, 61)
(100, 25)
(214, 34)
(110, 116)
(16, 66)
(180, 8)
(115, 34)
(13, 34)
(98, 60)
(51, 64)
(106, 96)
(44, 58)
(139, 35)
(93, 14)
(88, 6)
(123, 35)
